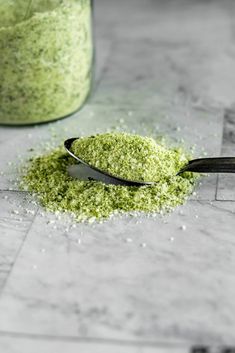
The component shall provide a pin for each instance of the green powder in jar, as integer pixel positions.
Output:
(46, 59)
(126, 155)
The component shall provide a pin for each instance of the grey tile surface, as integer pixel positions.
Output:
(131, 285)
(16, 218)
(179, 286)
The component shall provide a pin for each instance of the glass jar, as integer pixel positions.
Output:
(46, 58)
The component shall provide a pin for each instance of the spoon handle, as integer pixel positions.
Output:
(210, 165)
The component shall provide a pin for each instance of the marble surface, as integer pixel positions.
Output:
(141, 285)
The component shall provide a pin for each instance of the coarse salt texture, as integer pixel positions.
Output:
(46, 59)
(129, 156)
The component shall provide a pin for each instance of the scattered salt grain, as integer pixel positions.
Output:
(129, 240)
(143, 245)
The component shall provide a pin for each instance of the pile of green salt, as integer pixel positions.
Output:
(129, 156)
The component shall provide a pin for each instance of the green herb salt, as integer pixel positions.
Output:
(129, 156)
(46, 59)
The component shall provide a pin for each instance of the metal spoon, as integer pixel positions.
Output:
(200, 165)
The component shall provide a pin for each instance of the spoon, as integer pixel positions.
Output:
(200, 165)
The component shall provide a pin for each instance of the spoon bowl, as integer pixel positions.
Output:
(117, 180)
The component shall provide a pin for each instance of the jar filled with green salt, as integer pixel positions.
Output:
(46, 58)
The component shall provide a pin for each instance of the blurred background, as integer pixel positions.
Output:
(170, 47)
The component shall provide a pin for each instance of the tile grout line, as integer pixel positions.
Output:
(19, 191)
(228, 131)
(221, 149)
(29, 193)
(17, 254)
(104, 69)
(94, 340)
(216, 187)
